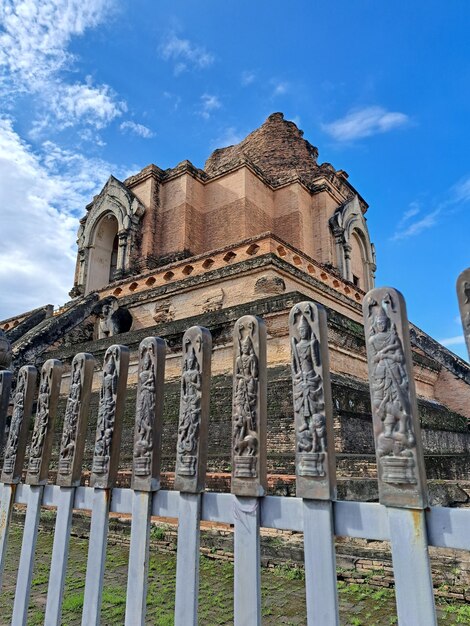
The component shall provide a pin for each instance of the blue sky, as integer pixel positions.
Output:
(93, 87)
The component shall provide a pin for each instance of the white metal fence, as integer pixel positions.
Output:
(402, 517)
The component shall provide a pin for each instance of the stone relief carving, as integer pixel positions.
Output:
(148, 416)
(190, 410)
(110, 413)
(41, 440)
(145, 411)
(72, 412)
(106, 413)
(191, 447)
(164, 311)
(72, 443)
(11, 448)
(390, 391)
(213, 301)
(248, 407)
(42, 419)
(315, 466)
(309, 401)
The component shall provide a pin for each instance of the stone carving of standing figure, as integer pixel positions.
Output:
(390, 394)
(249, 407)
(245, 398)
(188, 431)
(145, 412)
(42, 418)
(72, 410)
(309, 402)
(15, 425)
(191, 447)
(106, 415)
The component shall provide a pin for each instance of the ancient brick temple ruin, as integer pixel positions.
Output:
(261, 227)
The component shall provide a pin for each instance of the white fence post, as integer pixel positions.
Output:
(72, 447)
(400, 460)
(103, 474)
(15, 450)
(315, 457)
(145, 471)
(190, 471)
(38, 469)
(248, 463)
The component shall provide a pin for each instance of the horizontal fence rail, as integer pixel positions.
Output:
(402, 517)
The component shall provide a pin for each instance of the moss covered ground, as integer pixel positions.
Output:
(283, 590)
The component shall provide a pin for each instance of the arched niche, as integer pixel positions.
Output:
(106, 237)
(103, 253)
(355, 255)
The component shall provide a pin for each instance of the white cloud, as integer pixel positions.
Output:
(279, 88)
(84, 103)
(41, 195)
(229, 137)
(406, 229)
(185, 54)
(453, 341)
(364, 123)
(248, 77)
(137, 129)
(209, 104)
(461, 191)
(34, 56)
(34, 37)
(173, 98)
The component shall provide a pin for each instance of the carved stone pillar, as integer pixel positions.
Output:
(43, 433)
(191, 452)
(72, 445)
(400, 460)
(313, 412)
(149, 415)
(19, 426)
(249, 407)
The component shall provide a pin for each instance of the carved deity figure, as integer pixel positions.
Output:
(308, 389)
(245, 399)
(72, 410)
(390, 385)
(106, 414)
(145, 408)
(191, 386)
(42, 419)
(107, 326)
(16, 420)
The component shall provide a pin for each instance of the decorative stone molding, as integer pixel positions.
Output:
(117, 201)
(348, 221)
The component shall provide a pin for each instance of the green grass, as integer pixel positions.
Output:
(283, 590)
